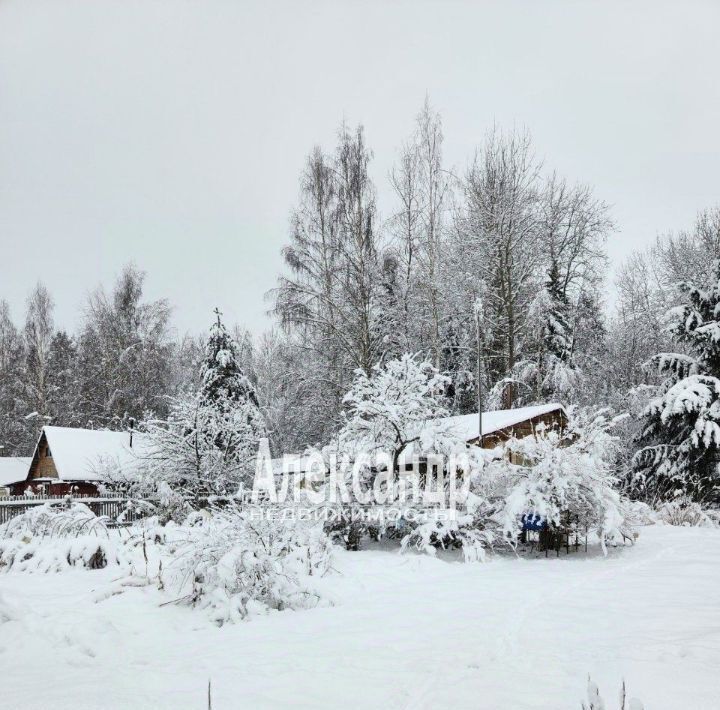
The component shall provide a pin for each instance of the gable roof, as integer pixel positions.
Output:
(80, 454)
(467, 425)
(13, 469)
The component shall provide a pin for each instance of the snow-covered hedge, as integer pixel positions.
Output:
(67, 519)
(56, 555)
(238, 563)
(53, 537)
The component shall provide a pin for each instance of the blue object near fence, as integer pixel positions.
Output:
(533, 522)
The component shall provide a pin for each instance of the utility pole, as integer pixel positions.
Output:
(478, 308)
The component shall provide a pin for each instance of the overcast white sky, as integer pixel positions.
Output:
(172, 132)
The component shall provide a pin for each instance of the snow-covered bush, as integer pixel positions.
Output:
(66, 519)
(57, 554)
(558, 477)
(237, 562)
(388, 410)
(640, 513)
(687, 513)
(461, 530)
(203, 448)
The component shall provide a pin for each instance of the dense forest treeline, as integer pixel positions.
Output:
(498, 268)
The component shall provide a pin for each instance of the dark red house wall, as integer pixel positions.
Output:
(60, 488)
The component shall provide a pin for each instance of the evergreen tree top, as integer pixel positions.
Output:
(221, 376)
(697, 322)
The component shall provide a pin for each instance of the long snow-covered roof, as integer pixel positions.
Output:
(81, 454)
(464, 426)
(13, 469)
(292, 463)
(467, 425)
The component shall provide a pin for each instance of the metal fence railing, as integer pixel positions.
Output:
(116, 508)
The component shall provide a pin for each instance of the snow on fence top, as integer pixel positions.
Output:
(13, 469)
(80, 454)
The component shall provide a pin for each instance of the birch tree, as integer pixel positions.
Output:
(38, 336)
(422, 187)
(328, 303)
(124, 351)
(499, 242)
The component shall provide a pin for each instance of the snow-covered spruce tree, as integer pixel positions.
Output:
(208, 442)
(63, 378)
(229, 397)
(460, 366)
(680, 454)
(13, 427)
(548, 372)
(222, 379)
(39, 329)
(557, 333)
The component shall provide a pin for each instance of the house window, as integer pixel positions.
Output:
(48, 455)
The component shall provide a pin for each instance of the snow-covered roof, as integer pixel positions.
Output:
(467, 425)
(81, 454)
(295, 463)
(13, 469)
(464, 426)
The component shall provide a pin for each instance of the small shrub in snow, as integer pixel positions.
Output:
(239, 563)
(595, 702)
(640, 513)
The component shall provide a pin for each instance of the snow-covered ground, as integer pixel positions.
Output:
(404, 632)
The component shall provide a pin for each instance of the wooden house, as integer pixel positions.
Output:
(13, 470)
(504, 424)
(68, 460)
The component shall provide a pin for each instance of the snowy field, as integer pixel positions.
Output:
(404, 632)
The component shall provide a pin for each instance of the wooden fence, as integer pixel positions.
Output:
(112, 506)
